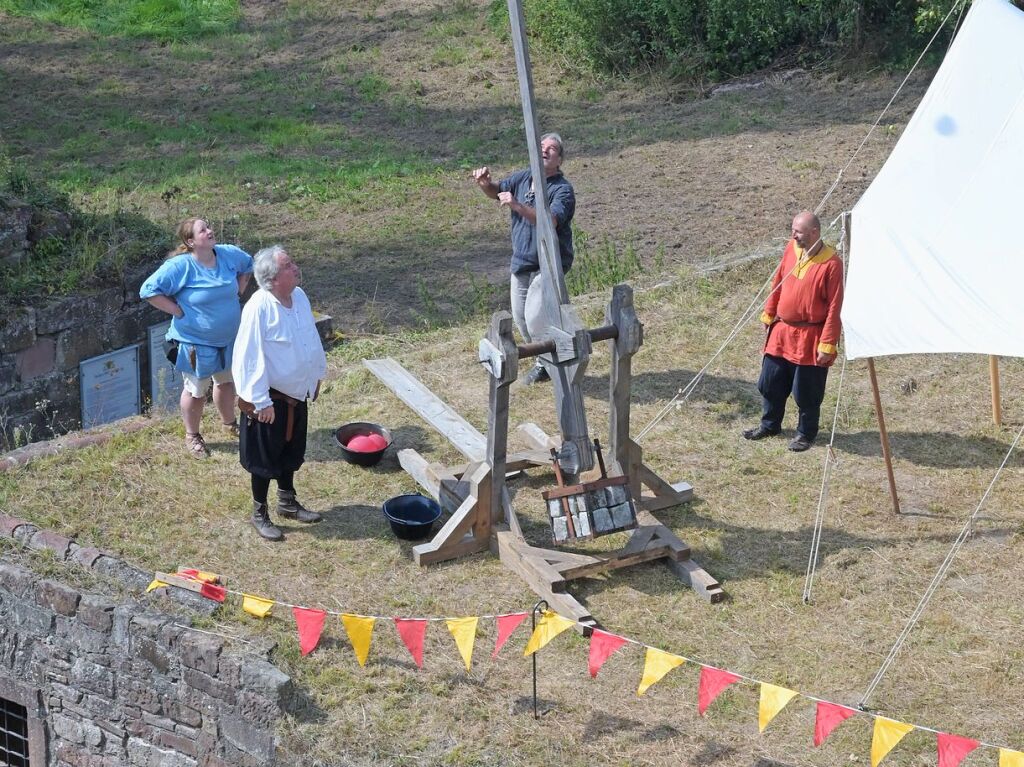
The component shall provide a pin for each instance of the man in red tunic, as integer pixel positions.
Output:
(802, 323)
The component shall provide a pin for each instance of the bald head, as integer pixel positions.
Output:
(806, 230)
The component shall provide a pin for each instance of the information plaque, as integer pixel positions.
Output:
(164, 380)
(110, 386)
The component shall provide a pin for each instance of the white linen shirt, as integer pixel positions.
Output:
(277, 347)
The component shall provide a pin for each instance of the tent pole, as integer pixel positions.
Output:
(993, 372)
(884, 434)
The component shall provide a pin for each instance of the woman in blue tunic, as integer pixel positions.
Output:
(199, 285)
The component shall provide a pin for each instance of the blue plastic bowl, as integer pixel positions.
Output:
(411, 516)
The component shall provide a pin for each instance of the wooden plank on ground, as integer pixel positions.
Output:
(452, 426)
(417, 467)
(542, 584)
(606, 563)
(698, 579)
(515, 463)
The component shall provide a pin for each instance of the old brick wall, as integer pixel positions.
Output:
(112, 683)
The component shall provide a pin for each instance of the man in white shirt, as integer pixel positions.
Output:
(278, 363)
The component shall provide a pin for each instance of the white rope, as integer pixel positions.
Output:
(830, 461)
(683, 394)
(958, 544)
(871, 130)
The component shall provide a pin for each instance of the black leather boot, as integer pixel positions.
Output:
(261, 521)
(288, 507)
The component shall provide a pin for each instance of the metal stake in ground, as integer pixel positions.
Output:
(533, 620)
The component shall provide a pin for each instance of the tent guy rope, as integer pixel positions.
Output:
(936, 581)
(830, 455)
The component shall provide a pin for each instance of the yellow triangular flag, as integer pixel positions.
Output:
(888, 732)
(359, 629)
(464, 633)
(257, 606)
(551, 625)
(773, 700)
(657, 663)
(155, 585)
(1008, 758)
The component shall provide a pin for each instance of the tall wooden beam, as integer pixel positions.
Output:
(568, 364)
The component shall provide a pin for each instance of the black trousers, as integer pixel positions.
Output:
(263, 450)
(780, 378)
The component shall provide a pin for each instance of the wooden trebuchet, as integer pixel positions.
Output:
(477, 496)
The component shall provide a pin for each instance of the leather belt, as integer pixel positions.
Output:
(801, 324)
(250, 410)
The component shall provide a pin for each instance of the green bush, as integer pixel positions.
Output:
(167, 20)
(719, 38)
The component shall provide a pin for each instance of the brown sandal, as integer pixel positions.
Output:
(232, 428)
(196, 445)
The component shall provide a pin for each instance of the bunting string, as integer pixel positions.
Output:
(886, 732)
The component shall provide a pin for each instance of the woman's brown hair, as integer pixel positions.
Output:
(184, 234)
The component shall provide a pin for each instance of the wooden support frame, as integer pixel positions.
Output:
(476, 495)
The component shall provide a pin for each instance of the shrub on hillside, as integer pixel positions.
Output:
(717, 38)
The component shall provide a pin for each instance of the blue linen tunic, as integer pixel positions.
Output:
(209, 299)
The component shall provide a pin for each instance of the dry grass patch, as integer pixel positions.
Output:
(750, 525)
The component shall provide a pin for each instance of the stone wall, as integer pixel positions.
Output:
(110, 683)
(41, 347)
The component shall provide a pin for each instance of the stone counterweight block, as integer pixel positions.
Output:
(602, 520)
(622, 516)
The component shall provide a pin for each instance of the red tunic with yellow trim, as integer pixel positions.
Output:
(805, 310)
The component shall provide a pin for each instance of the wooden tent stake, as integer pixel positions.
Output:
(993, 373)
(884, 434)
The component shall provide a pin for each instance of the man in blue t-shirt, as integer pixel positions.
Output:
(516, 192)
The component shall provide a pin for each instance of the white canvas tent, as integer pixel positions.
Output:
(936, 263)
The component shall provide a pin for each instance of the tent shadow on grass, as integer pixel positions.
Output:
(941, 450)
(753, 552)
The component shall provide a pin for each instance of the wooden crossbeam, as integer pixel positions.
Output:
(452, 426)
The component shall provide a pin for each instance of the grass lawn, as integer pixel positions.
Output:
(749, 525)
(347, 130)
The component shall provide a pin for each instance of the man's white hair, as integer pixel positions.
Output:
(265, 266)
(558, 140)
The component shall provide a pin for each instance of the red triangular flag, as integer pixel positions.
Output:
(953, 749)
(602, 645)
(310, 624)
(506, 625)
(712, 682)
(828, 717)
(210, 591)
(412, 631)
